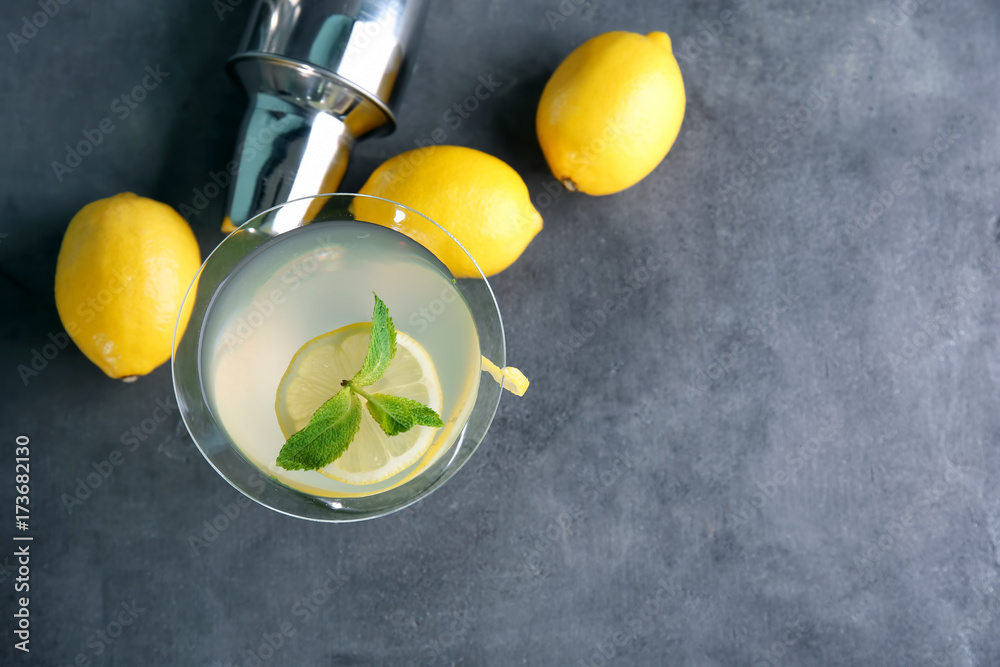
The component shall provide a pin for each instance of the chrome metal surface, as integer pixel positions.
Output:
(319, 74)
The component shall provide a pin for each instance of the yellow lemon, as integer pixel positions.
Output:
(123, 269)
(611, 111)
(476, 197)
(314, 375)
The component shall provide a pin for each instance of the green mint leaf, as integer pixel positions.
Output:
(381, 347)
(327, 436)
(396, 414)
(333, 426)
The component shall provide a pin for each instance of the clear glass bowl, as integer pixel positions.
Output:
(212, 439)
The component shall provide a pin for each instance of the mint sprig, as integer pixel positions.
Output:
(396, 414)
(330, 430)
(381, 347)
(333, 426)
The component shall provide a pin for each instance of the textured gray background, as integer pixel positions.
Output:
(779, 449)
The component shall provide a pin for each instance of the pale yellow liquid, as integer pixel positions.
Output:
(313, 280)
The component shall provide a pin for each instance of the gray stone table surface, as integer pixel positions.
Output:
(762, 427)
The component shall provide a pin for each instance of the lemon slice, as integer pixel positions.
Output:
(315, 374)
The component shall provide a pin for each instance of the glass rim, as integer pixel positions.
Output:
(438, 471)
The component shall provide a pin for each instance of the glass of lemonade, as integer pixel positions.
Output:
(292, 275)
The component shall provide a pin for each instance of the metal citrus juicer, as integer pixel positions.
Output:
(319, 75)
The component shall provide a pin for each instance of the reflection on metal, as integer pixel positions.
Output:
(319, 75)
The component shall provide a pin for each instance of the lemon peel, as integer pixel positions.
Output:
(508, 377)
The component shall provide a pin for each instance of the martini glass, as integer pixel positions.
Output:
(300, 270)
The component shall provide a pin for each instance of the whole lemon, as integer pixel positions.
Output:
(123, 269)
(611, 111)
(476, 197)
